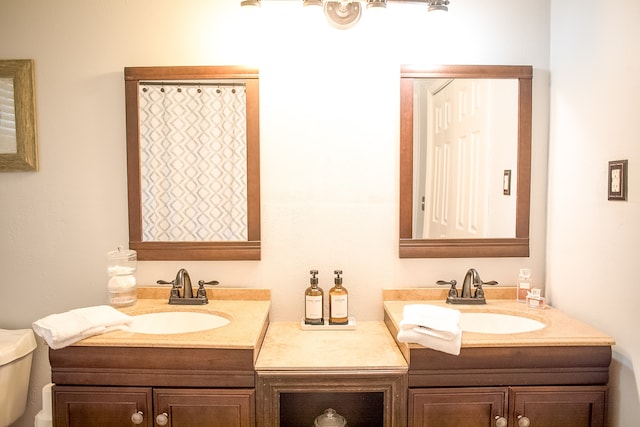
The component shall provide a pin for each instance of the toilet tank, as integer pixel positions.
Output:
(16, 352)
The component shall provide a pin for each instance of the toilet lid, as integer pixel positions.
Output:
(15, 343)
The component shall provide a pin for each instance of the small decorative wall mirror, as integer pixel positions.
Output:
(18, 143)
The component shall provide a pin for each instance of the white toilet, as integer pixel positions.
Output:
(16, 352)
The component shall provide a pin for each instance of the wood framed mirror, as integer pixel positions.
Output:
(18, 135)
(193, 162)
(463, 153)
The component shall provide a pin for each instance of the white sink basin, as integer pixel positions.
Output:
(176, 322)
(497, 323)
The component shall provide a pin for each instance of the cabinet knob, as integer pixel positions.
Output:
(162, 419)
(501, 421)
(137, 418)
(523, 421)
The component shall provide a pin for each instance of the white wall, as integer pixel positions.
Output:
(329, 135)
(592, 256)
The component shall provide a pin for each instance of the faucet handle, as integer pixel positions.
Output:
(201, 283)
(492, 283)
(479, 293)
(175, 287)
(202, 292)
(453, 292)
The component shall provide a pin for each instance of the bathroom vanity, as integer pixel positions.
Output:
(555, 376)
(124, 378)
(255, 373)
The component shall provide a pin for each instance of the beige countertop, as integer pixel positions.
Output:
(370, 346)
(561, 329)
(248, 310)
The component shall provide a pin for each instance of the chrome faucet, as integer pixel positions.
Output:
(472, 278)
(182, 292)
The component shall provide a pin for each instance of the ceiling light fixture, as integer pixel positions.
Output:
(372, 4)
(438, 5)
(342, 14)
(345, 14)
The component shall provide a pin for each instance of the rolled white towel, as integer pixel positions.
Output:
(63, 329)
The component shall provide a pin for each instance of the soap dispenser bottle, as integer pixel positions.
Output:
(338, 302)
(313, 302)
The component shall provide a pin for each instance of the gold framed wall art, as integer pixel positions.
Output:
(18, 136)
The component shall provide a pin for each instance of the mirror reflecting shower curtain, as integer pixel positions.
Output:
(193, 161)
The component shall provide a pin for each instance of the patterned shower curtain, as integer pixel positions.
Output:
(193, 162)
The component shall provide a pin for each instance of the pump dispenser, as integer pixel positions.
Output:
(313, 302)
(338, 302)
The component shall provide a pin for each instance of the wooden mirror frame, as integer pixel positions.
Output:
(196, 250)
(465, 248)
(26, 156)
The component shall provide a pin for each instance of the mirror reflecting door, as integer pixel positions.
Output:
(466, 140)
(465, 161)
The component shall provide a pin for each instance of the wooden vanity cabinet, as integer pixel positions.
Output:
(509, 386)
(123, 406)
(111, 386)
(372, 398)
(561, 406)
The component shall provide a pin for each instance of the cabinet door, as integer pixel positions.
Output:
(101, 406)
(570, 406)
(455, 407)
(206, 407)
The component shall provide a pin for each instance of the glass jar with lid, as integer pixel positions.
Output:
(330, 418)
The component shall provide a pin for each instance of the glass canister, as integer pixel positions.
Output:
(330, 418)
(121, 285)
